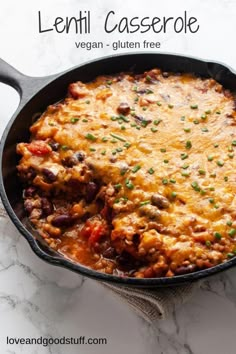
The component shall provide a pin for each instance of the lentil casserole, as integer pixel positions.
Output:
(133, 175)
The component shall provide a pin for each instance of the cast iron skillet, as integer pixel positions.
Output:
(36, 94)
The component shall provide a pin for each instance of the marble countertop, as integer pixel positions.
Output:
(37, 299)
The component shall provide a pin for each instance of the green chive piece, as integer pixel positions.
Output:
(117, 137)
(205, 130)
(216, 145)
(195, 186)
(230, 255)
(119, 149)
(211, 188)
(231, 155)
(92, 149)
(218, 236)
(194, 106)
(208, 111)
(188, 144)
(229, 223)
(184, 156)
(114, 141)
(113, 152)
(216, 206)
(173, 194)
(104, 139)
(166, 161)
(144, 108)
(154, 130)
(220, 163)
(138, 128)
(210, 158)
(118, 186)
(122, 127)
(157, 121)
(232, 232)
(136, 168)
(230, 149)
(123, 171)
(148, 78)
(87, 102)
(74, 120)
(113, 118)
(64, 147)
(218, 112)
(148, 91)
(145, 202)
(202, 192)
(203, 117)
(187, 130)
(90, 136)
(226, 178)
(124, 118)
(165, 181)
(136, 99)
(109, 82)
(208, 243)
(85, 120)
(172, 180)
(196, 121)
(158, 103)
(182, 118)
(234, 142)
(127, 145)
(151, 171)
(170, 106)
(213, 175)
(103, 152)
(144, 123)
(129, 184)
(211, 200)
(162, 150)
(185, 166)
(185, 174)
(135, 88)
(202, 172)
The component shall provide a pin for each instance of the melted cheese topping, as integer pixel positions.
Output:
(163, 148)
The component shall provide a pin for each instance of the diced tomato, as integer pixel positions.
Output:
(39, 148)
(93, 230)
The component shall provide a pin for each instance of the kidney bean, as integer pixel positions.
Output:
(49, 175)
(109, 253)
(63, 220)
(47, 206)
(29, 192)
(91, 191)
(55, 146)
(185, 269)
(123, 108)
(28, 205)
(160, 201)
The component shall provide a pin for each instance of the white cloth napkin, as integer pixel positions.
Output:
(156, 304)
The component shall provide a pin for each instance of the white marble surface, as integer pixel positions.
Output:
(38, 299)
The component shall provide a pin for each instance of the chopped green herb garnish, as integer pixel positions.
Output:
(202, 192)
(205, 130)
(203, 117)
(144, 108)
(185, 166)
(216, 145)
(87, 102)
(90, 136)
(119, 149)
(104, 139)
(184, 156)
(74, 120)
(92, 149)
(196, 121)
(185, 174)
(234, 142)
(124, 118)
(188, 144)
(231, 155)
(157, 121)
(151, 171)
(85, 120)
(232, 232)
(229, 223)
(208, 111)
(218, 236)
(144, 123)
(145, 202)
(136, 168)
(182, 118)
(103, 152)
(230, 255)
(226, 178)
(165, 181)
(113, 152)
(123, 171)
(129, 184)
(194, 106)
(216, 206)
(117, 137)
(109, 82)
(210, 158)
(172, 180)
(148, 78)
(211, 200)
(218, 112)
(211, 188)
(122, 127)
(64, 147)
(148, 91)
(162, 150)
(230, 149)
(170, 106)
(138, 128)
(136, 99)
(114, 141)
(201, 172)
(118, 186)
(220, 163)
(127, 145)
(158, 103)
(187, 130)
(208, 243)
(154, 130)
(213, 175)
(135, 88)
(195, 186)
(173, 194)
(166, 161)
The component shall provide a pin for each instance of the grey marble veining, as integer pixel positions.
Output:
(37, 299)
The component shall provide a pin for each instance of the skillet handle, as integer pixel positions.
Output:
(25, 85)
